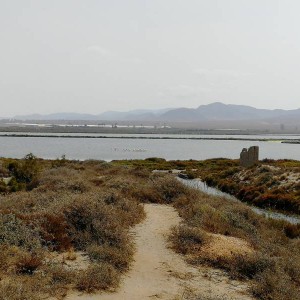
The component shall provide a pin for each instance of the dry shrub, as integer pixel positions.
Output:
(240, 226)
(39, 285)
(67, 211)
(115, 256)
(147, 193)
(102, 219)
(59, 277)
(3, 171)
(238, 266)
(250, 265)
(3, 186)
(64, 179)
(218, 215)
(169, 188)
(15, 261)
(28, 263)
(9, 257)
(290, 264)
(276, 258)
(141, 172)
(98, 181)
(275, 286)
(54, 231)
(13, 231)
(201, 297)
(292, 231)
(159, 188)
(204, 215)
(187, 239)
(101, 276)
(16, 290)
(94, 222)
(130, 212)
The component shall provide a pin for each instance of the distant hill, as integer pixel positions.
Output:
(214, 112)
(220, 111)
(106, 116)
(57, 116)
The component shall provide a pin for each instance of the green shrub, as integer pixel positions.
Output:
(25, 170)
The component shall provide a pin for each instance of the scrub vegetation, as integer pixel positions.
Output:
(273, 184)
(64, 225)
(230, 236)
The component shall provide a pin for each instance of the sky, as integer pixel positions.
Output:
(90, 56)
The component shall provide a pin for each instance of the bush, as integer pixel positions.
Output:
(102, 276)
(119, 258)
(28, 263)
(187, 239)
(16, 290)
(26, 170)
(155, 159)
(3, 186)
(292, 231)
(54, 232)
(249, 266)
(168, 188)
(23, 236)
(275, 286)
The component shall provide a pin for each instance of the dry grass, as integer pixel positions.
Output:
(67, 211)
(273, 254)
(101, 276)
(90, 207)
(187, 239)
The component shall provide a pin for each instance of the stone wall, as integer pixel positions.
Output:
(249, 157)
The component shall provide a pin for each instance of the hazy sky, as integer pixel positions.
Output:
(95, 55)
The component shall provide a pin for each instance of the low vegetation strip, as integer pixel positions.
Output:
(271, 184)
(145, 137)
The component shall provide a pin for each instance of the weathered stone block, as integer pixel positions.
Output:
(249, 157)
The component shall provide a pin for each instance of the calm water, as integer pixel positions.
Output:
(200, 185)
(127, 148)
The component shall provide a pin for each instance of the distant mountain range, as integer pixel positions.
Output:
(212, 112)
(225, 112)
(136, 115)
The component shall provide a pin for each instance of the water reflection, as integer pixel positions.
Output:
(202, 186)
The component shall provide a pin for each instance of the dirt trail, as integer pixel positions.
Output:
(159, 273)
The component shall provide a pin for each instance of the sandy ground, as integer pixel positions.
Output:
(159, 273)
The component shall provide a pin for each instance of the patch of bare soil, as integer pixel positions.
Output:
(70, 260)
(221, 246)
(159, 273)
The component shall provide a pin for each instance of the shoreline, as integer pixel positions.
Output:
(177, 137)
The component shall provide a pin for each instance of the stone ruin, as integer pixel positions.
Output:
(249, 157)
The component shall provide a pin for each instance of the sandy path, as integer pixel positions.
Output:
(159, 273)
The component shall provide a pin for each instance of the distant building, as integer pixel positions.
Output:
(249, 157)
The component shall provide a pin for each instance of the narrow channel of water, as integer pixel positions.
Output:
(202, 186)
